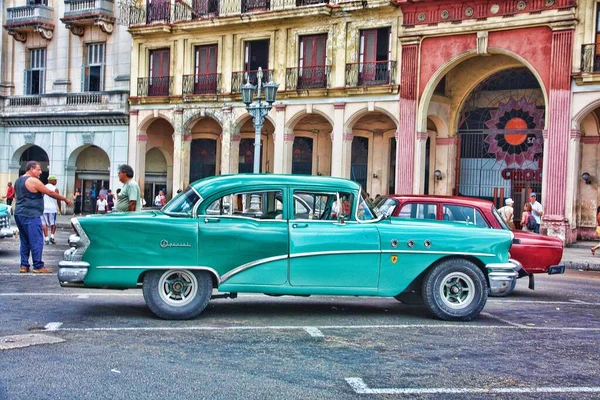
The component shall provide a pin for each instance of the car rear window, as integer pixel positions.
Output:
(418, 211)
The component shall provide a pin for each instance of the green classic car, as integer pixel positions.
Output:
(5, 228)
(285, 235)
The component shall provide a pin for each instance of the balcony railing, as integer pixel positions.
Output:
(370, 73)
(33, 13)
(187, 10)
(303, 78)
(85, 7)
(590, 57)
(157, 86)
(238, 79)
(201, 84)
(68, 103)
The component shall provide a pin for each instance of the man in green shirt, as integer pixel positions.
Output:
(129, 199)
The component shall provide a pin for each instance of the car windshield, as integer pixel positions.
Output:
(366, 209)
(499, 219)
(385, 206)
(182, 205)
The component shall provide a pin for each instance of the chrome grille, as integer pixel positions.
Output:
(5, 221)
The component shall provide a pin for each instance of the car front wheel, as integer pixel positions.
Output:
(455, 290)
(177, 294)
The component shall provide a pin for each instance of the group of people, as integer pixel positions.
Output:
(531, 217)
(37, 205)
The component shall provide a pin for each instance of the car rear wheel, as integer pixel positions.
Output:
(177, 293)
(455, 290)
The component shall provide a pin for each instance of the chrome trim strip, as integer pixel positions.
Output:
(240, 217)
(200, 200)
(85, 240)
(323, 253)
(249, 265)
(155, 267)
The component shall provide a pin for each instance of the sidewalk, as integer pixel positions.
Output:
(576, 256)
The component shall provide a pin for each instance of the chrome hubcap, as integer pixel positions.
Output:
(178, 288)
(457, 290)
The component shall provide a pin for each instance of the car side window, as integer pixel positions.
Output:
(418, 211)
(468, 215)
(322, 206)
(259, 205)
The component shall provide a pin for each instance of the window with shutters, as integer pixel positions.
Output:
(35, 75)
(93, 70)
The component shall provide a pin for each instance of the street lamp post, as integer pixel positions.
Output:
(258, 110)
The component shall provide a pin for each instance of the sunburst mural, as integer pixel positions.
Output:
(522, 144)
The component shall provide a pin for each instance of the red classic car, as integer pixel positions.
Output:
(538, 254)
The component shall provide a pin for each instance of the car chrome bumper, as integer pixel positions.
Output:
(6, 232)
(502, 276)
(556, 269)
(72, 273)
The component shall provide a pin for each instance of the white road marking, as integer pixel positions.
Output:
(544, 302)
(111, 294)
(116, 371)
(506, 321)
(52, 326)
(31, 339)
(83, 296)
(25, 274)
(314, 332)
(360, 387)
(339, 327)
(577, 301)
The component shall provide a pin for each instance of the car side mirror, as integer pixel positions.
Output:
(341, 220)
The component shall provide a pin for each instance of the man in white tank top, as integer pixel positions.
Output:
(51, 207)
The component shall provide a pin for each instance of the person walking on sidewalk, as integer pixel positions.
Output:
(29, 207)
(129, 198)
(596, 247)
(536, 210)
(77, 200)
(10, 194)
(51, 207)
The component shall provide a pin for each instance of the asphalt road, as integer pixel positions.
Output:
(534, 344)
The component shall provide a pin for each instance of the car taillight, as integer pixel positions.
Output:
(75, 230)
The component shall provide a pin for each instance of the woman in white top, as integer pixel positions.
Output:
(101, 205)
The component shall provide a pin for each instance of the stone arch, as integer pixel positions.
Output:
(89, 166)
(199, 116)
(311, 147)
(450, 64)
(243, 119)
(243, 148)
(205, 147)
(577, 120)
(149, 120)
(354, 118)
(293, 121)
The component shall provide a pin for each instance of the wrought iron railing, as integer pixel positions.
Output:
(186, 10)
(302, 78)
(370, 73)
(157, 86)
(201, 84)
(590, 57)
(238, 79)
(255, 5)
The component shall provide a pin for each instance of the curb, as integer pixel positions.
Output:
(582, 266)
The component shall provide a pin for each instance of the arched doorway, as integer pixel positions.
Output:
(246, 150)
(156, 175)
(500, 148)
(35, 153)
(311, 150)
(359, 161)
(205, 149)
(92, 171)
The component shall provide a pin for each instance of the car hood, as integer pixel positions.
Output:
(534, 239)
(3, 208)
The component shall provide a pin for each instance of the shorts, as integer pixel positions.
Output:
(48, 219)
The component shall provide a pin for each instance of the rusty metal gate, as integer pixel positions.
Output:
(500, 142)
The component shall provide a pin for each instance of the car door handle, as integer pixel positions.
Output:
(211, 220)
(299, 225)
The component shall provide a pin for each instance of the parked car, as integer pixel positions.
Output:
(5, 229)
(285, 235)
(538, 254)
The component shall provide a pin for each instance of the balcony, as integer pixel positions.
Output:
(82, 13)
(190, 10)
(33, 18)
(371, 73)
(238, 79)
(158, 86)
(303, 78)
(66, 103)
(201, 84)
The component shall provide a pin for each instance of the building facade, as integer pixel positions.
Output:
(64, 89)
(441, 97)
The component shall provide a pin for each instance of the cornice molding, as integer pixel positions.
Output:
(64, 120)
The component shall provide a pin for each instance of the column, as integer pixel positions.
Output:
(279, 140)
(177, 151)
(445, 161)
(185, 156)
(347, 154)
(337, 141)
(405, 149)
(131, 145)
(420, 143)
(234, 165)
(574, 180)
(226, 133)
(139, 169)
(559, 131)
(58, 58)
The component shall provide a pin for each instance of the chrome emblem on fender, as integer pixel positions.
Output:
(165, 243)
